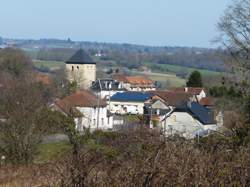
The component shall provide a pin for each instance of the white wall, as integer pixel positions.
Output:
(184, 124)
(131, 107)
(107, 94)
(201, 95)
(90, 119)
(129, 87)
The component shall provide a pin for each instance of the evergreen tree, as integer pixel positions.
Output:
(195, 80)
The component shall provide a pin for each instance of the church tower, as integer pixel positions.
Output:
(82, 69)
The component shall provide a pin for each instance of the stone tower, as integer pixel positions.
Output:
(82, 69)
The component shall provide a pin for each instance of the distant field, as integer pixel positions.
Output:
(176, 69)
(52, 65)
(165, 74)
(166, 80)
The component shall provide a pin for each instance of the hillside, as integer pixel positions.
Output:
(127, 55)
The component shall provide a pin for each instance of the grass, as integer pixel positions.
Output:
(165, 79)
(51, 151)
(168, 80)
(176, 69)
(52, 65)
(165, 74)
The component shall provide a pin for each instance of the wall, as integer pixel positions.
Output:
(126, 107)
(184, 124)
(107, 94)
(90, 119)
(201, 95)
(83, 74)
(138, 88)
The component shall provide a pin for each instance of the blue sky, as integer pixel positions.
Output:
(149, 22)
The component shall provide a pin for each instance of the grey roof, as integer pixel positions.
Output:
(107, 84)
(80, 57)
(201, 113)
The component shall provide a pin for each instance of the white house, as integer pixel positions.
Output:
(156, 110)
(135, 83)
(190, 120)
(106, 88)
(129, 102)
(87, 110)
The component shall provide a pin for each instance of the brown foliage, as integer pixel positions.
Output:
(143, 158)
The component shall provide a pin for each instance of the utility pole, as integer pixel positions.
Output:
(98, 103)
(150, 122)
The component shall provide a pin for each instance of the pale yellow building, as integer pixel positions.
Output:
(82, 69)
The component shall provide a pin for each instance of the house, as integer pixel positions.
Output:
(199, 93)
(207, 102)
(129, 102)
(189, 120)
(87, 110)
(172, 98)
(155, 110)
(81, 69)
(106, 88)
(135, 83)
(162, 103)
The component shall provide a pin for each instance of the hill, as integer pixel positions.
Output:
(127, 55)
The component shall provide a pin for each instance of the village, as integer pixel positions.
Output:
(122, 101)
(124, 93)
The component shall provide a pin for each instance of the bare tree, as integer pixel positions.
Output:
(15, 62)
(234, 27)
(22, 103)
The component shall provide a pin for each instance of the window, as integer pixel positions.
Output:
(72, 68)
(158, 112)
(77, 67)
(174, 118)
(94, 122)
(102, 121)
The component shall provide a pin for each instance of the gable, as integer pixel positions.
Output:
(159, 105)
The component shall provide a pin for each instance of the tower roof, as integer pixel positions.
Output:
(80, 57)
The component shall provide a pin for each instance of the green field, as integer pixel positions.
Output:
(176, 69)
(165, 79)
(52, 65)
(165, 74)
(51, 151)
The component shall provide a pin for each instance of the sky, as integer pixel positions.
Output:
(146, 22)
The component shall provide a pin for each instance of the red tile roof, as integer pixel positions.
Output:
(173, 98)
(142, 80)
(191, 90)
(120, 77)
(207, 101)
(81, 98)
(139, 80)
(43, 78)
